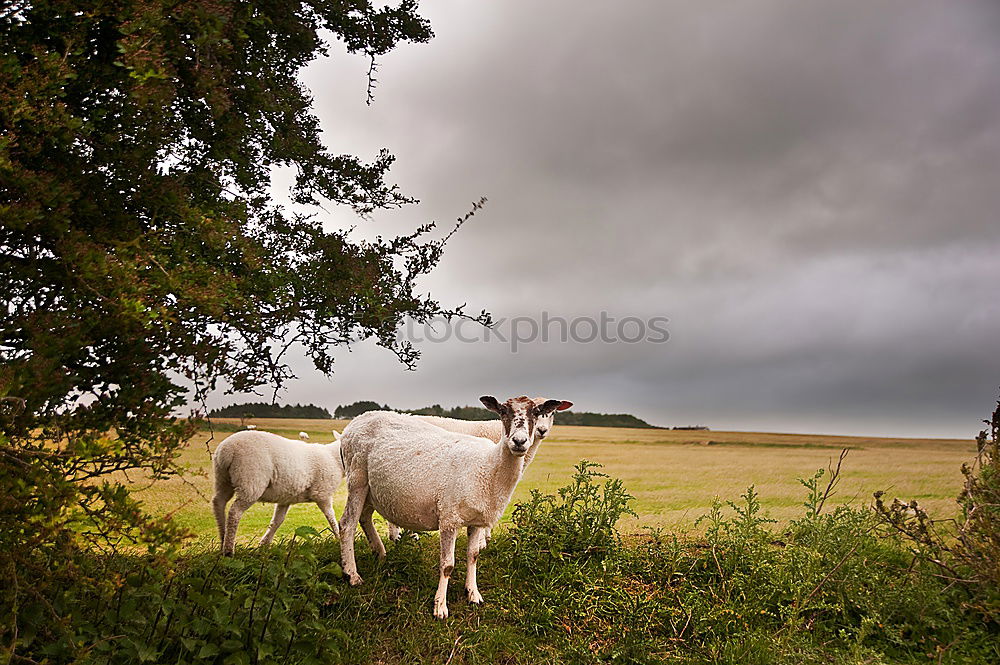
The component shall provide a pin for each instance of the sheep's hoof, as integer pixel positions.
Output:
(354, 579)
(440, 610)
(474, 596)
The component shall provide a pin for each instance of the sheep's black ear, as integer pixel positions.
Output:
(491, 403)
(550, 405)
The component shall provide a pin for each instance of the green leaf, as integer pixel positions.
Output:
(306, 532)
(146, 652)
(237, 658)
(208, 650)
(231, 645)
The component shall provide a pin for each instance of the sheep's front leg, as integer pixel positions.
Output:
(280, 510)
(447, 566)
(475, 545)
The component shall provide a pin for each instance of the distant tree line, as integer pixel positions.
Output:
(601, 419)
(479, 413)
(460, 412)
(264, 410)
(348, 411)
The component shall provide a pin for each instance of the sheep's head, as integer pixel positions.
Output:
(521, 417)
(544, 422)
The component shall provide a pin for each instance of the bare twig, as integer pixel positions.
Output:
(834, 480)
(372, 81)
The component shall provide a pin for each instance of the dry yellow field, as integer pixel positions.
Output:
(674, 475)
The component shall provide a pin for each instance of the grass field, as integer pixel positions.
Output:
(674, 475)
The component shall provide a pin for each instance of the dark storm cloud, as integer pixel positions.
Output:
(808, 191)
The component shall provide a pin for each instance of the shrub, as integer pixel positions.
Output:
(578, 523)
(834, 584)
(965, 552)
(978, 544)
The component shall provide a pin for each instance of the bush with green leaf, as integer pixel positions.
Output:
(832, 582)
(262, 606)
(577, 522)
(966, 551)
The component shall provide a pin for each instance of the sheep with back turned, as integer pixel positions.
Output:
(257, 466)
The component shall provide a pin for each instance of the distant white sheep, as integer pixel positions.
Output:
(425, 478)
(304, 436)
(251, 427)
(261, 466)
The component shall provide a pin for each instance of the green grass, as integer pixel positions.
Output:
(674, 475)
(580, 572)
(832, 587)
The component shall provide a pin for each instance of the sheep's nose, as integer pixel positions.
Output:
(519, 441)
(542, 431)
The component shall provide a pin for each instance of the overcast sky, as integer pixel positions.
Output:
(808, 191)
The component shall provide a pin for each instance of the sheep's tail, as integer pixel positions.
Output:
(339, 456)
(220, 462)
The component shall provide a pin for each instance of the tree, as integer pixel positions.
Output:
(142, 261)
(357, 408)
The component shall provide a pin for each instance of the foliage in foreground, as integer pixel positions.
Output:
(562, 586)
(577, 522)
